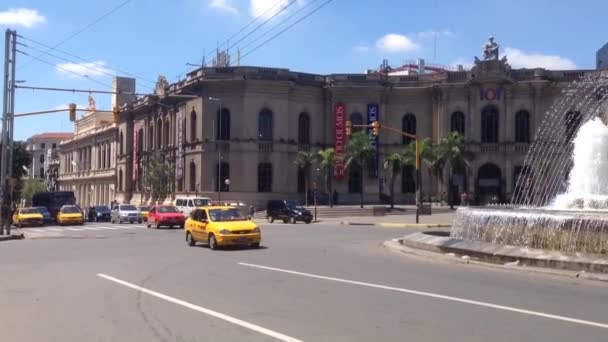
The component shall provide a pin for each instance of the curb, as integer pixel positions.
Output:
(504, 254)
(11, 237)
(396, 225)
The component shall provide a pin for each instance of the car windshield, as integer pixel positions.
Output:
(43, 210)
(144, 208)
(294, 205)
(167, 210)
(102, 209)
(30, 211)
(128, 208)
(201, 202)
(230, 214)
(70, 210)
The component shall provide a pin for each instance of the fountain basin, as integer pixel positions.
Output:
(570, 231)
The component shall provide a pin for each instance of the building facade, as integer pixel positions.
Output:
(601, 57)
(44, 148)
(247, 124)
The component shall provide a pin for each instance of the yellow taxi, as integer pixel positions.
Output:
(27, 217)
(143, 210)
(70, 214)
(220, 226)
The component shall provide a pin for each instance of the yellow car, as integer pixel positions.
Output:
(221, 226)
(70, 214)
(143, 210)
(27, 217)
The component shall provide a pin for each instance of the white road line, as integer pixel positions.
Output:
(74, 229)
(54, 229)
(92, 228)
(209, 312)
(437, 296)
(110, 228)
(36, 230)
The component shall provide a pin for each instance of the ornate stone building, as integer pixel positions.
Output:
(252, 121)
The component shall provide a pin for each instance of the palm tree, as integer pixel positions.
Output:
(304, 161)
(394, 165)
(327, 159)
(428, 157)
(359, 151)
(451, 152)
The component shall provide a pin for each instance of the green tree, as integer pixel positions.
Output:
(327, 160)
(451, 152)
(304, 162)
(32, 186)
(359, 151)
(22, 160)
(394, 165)
(159, 176)
(428, 157)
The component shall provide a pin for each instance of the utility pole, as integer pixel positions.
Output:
(8, 109)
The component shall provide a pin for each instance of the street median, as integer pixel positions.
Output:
(396, 225)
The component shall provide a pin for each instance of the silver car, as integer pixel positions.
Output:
(125, 213)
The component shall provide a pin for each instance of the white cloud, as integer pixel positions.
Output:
(66, 105)
(223, 5)
(394, 42)
(520, 59)
(266, 8)
(361, 48)
(21, 17)
(96, 68)
(432, 34)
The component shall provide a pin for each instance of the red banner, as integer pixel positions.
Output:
(339, 139)
(135, 165)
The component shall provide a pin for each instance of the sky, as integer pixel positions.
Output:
(147, 38)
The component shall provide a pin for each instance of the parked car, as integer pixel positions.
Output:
(70, 214)
(165, 215)
(221, 226)
(187, 204)
(144, 210)
(288, 211)
(27, 217)
(46, 214)
(99, 213)
(125, 213)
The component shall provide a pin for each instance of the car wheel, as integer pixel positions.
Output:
(190, 240)
(148, 225)
(170, 227)
(212, 242)
(285, 220)
(140, 221)
(292, 220)
(19, 225)
(270, 219)
(308, 221)
(181, 226)
(158, 225)
(255, 245)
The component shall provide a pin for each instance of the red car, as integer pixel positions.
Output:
(165, 215)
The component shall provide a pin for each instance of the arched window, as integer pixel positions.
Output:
(222, 129)
(192, 177)
(265, 125)
(224, 169)
(457, 122)
(140, 140)
(303, 129)
(408, 180)
(120, 186)
(356, 119)
(42, 158)
(192, 125)
(354, 180)
(573, 122)
(151, 137)
(159, 133)
(408, 125)
(166, 133)
(301, 180)
(522, 126)
(489, 179)
(120, 142)
(265, 177)
(489, 124)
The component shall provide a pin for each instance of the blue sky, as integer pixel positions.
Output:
(152, 37)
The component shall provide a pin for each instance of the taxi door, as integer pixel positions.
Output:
(199, 225)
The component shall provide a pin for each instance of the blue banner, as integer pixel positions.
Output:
(373, 114)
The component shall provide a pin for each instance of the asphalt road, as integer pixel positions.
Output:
(309, 283)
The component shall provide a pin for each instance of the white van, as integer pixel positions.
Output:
(187, 204)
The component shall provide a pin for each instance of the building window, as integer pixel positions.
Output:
(265, 177)
(166, 133)
(408, 180)
(457, 122)
(42, 146)
(356, 119)
(120, 187)
(192, 125)
(304, 129)
(354, 180)
(517, 171)
(408, 125)
(151, 137)
(120, 142)
(265, 125)
(222, 129)
(192, 178)
(41, 172)
(301, 180)
(489, 125)
(54, 146)
(41, 159)
(140, 140)
(573, 122)
(159, 133)
(224, 169)
(180, 185)
(522, 126)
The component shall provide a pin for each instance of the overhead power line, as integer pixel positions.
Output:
(80, 90)
(87, 26)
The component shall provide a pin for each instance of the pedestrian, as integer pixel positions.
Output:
(464, 199)
(251, 211)
(335, 197)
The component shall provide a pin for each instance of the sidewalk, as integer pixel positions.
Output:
(438, 220)
(15, 235)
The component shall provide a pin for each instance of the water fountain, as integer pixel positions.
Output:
(560, 200)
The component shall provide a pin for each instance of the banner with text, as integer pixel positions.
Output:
(339, 139)
(135, 168)
(179, 163)
(373, 114)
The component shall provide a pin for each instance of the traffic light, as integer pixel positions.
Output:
(72, 110)
(349, 127)
(376, 128)
(116, 114)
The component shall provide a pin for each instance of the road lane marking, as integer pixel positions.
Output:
(436, 295)
(201, 309)
(54, 229)
(74, 229)
(110, 228)
(36, 230)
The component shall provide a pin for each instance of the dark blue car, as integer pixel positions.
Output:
(46, 214)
